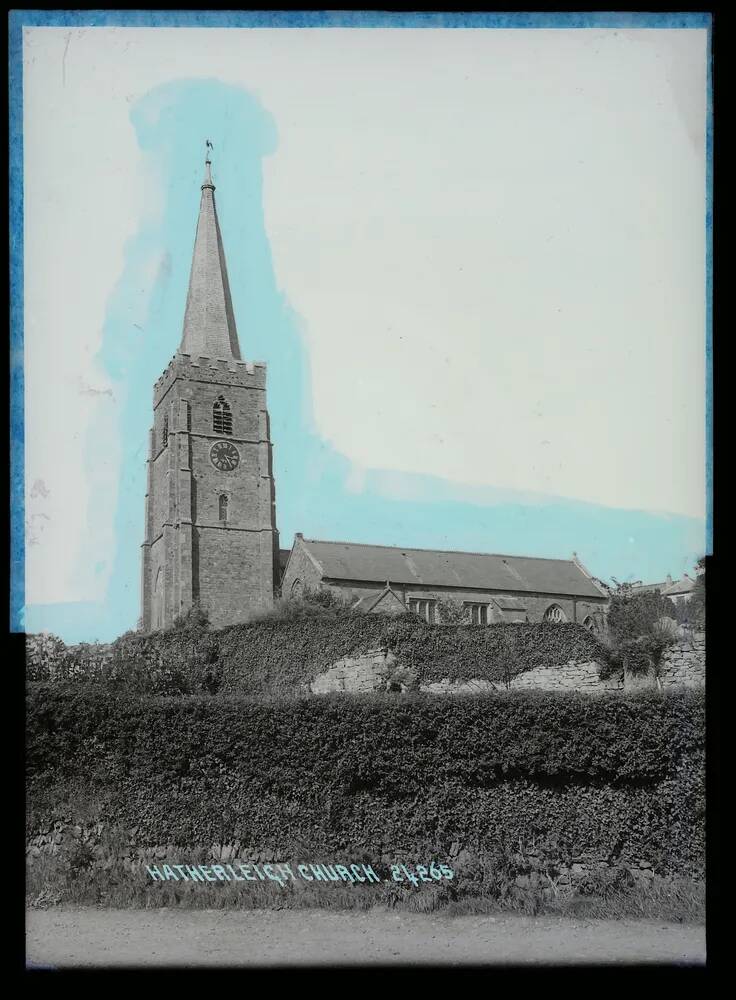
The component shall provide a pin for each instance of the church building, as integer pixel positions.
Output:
(210, 512)
(386, 579)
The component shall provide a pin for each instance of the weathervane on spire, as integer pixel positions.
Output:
(207, 162)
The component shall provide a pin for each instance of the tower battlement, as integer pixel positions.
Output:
(251, 374)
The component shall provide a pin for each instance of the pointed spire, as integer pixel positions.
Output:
(209, 321)
(208, 175)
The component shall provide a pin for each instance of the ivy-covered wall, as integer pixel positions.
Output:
(281, 657)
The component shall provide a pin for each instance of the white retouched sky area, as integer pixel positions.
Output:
(494, 239)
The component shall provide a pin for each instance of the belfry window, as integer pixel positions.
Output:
(166, 432)
(223, 504)
(554, 613)
(222, 418)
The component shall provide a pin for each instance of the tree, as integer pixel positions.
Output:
(451, 612)
(638, 632)
(696, 605)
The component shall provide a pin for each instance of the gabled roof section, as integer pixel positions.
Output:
(209, 320)
(432, 567)
(387, 601)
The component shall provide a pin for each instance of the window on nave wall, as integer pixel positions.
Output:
(423, 608)
(554, 613)
(477, 613)
(222, 417)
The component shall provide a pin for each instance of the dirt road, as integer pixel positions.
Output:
(169, 937)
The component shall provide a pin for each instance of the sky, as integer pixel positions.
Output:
(473, 260)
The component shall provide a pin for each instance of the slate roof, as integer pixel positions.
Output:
(431, 567)
(666, 589)
(283, 560)
(510, 604)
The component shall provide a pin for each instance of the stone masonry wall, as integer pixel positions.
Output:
(570, 676)
(376, 669)
(368, 671)
(534, 605)
(301, 572)
(683, 665)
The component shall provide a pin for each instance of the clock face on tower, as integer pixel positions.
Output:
(224, 456)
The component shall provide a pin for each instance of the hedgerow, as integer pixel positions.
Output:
(618, 777)
(282, 656)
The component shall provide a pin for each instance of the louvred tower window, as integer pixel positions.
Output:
(222, 418)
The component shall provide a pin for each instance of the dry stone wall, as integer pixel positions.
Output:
(683, 665)
(570, 676)
(377, 670)
(370, 671)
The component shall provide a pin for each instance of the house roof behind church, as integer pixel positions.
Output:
(668, 588)
(433, 567)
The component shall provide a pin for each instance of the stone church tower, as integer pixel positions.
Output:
(210, 531)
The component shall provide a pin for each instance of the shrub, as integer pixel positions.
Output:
(196, 619)
(692, 612)
(451, 612)
(44, 654)
(311, 603)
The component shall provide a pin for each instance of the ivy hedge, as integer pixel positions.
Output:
(278, 657)
(375, 776)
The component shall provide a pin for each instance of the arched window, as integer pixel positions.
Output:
(158, 600)
(166, 431)
(554, 613)
(222, 418)
(589, 623)
(223, 506)
(297, 588)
